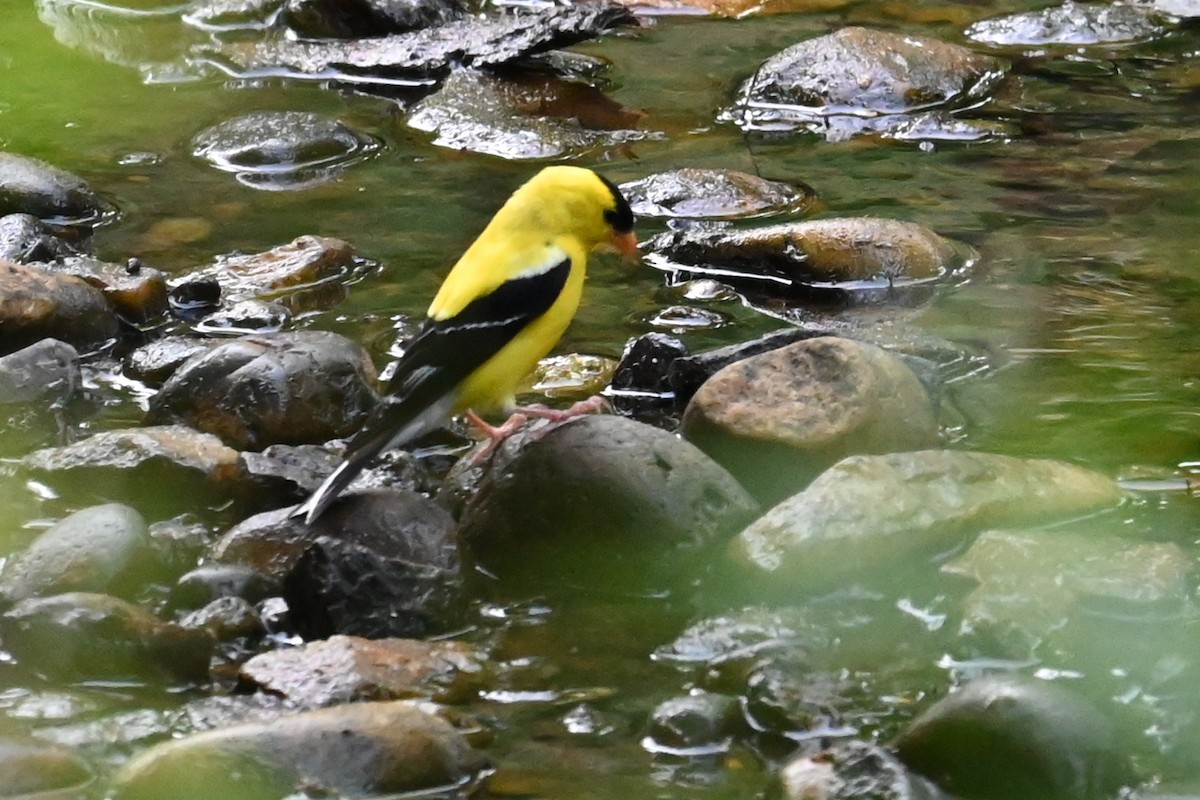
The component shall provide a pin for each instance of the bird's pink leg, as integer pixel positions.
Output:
(593, 405)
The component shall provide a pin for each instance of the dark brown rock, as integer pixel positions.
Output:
(1010, 738)
(293, 388)
(30, 186)
(36, 304)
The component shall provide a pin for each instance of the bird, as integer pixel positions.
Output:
(503, 306)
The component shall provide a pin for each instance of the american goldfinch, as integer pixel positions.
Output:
(503, 306)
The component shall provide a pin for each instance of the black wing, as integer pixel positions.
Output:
(444, 352)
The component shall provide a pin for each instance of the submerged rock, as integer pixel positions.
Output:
(694, 724)
(283, 149)
(853, 771)
(852, 259)
(714, 194)
(1010, 738)
(1044, 589)
(857, 80)
(30, 186)
(96, 549)
(47, 370)
(292, 388)
(777, 419)
(600, 495)
(33, 770)
(522, 118)
(81, 636)
(867, 517)
(1071, 24)
(432, 52)
(348, 669)
(354, 749)
(38, 304)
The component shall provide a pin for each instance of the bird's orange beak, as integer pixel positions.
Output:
(626, 244)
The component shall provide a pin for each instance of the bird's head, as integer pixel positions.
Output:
(578, 202)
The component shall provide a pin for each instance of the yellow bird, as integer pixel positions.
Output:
(503, 306)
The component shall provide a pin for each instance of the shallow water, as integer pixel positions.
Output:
(1086, 302)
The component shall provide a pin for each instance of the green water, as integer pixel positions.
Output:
(1087, 297)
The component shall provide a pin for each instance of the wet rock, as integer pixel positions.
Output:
(342, 19)
(788, 696)
(856, 80)
(294, 388)
(192, 299)
(345, 587)
(348, 669)
(1003, 738)
(1042, 590)
(80, 636)
(853, 771)
(738, 9)
(867, 516)
(471, 42)
(232, 14)
(46, 370)
(392, 523)
(30, 186)
(211, 582)
(25, 239)
(283, 149)
(640, 384)
(381, 563)
(742, 636)
(1071, 24)
(33, 769)
(595, 493)
(777, 419)
(226, 619)
(155, 361)
(1186, 9)
(689, 372)
(714, 194)
(246, 317)
(694, 724)
(839, 260)
(312, 263)
(36, 304)
(355, 749)
(137, 292)
(531, 117)
(96, 549)
(124, 460)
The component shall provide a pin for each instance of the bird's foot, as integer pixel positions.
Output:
(593, 405)
(496, 434)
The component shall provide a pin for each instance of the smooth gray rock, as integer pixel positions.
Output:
(31, 186)
(48, 369)
(90, 551)
(867, 518)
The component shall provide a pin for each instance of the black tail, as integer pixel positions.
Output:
(338, 480)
